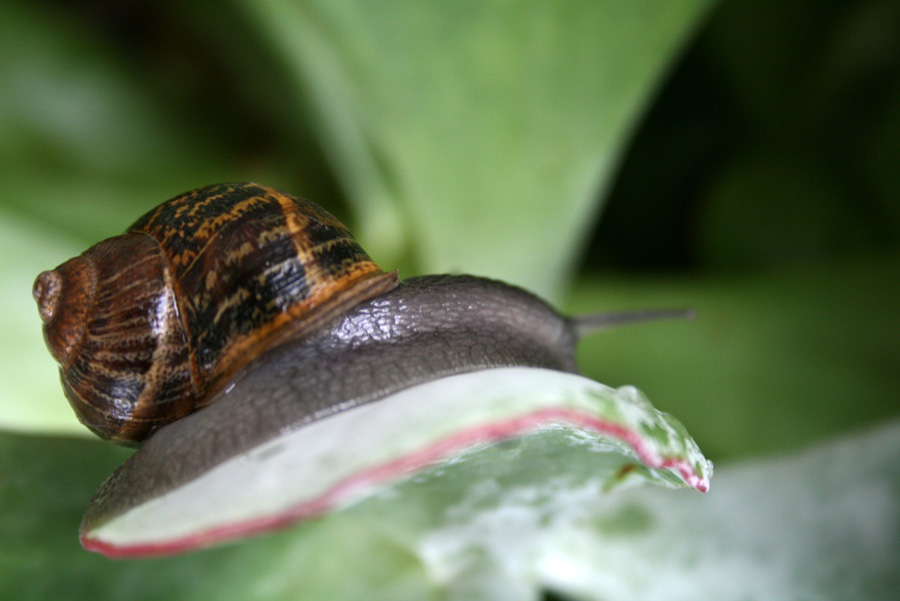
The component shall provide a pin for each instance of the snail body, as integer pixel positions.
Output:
(426, 328)
(261, 308)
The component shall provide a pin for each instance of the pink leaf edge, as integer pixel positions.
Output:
(396, 469)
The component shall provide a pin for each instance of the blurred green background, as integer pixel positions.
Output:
(759, 185)
(740, 160)
(737, 157)
(763, 188)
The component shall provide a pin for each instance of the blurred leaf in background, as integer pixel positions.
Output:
(500, 120)
(486, 159)
(762, 190)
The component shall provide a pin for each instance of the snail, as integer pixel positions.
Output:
(234, 317)
(245, 297)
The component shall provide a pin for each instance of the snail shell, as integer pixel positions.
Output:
(146, 326)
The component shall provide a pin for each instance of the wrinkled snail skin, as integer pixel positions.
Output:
(426, 328)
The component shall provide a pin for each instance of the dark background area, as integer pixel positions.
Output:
(775, 141)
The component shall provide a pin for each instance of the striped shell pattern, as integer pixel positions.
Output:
(147, 325)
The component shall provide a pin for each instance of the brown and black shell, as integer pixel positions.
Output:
(147, 325)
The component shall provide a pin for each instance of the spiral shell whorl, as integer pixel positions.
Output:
(148, 325)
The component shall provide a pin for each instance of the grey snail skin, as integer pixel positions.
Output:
(235, 312)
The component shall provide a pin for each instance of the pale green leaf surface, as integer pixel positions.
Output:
(388, 540)
(822, 524)
(451, 122)
(608, 435)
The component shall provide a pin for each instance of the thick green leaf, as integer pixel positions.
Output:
(822, 524)
(478, 134)
(558, 433)
(601, 435)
